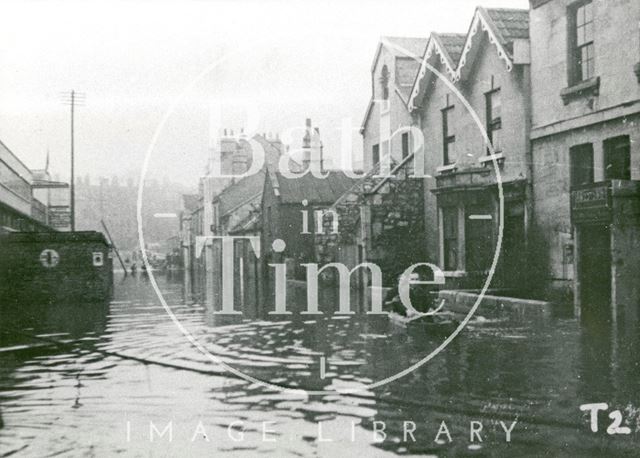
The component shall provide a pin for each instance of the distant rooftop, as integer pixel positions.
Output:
(314, 190)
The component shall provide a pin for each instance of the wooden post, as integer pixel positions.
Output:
(114, 246)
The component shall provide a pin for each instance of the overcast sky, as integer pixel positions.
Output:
(288, 59)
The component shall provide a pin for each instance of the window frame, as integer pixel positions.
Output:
(405, 144)
(447, 137)
(493, 123)
(385, 77)
(612, 146)
(450, 241)
(574, 165)
(575, 57)
(375, 154)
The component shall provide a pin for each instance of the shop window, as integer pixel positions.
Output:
(448, 137)
(376, 154)
(617, 158)
(581, 158)
(450, 238)
(405, 144)
(581, 36)
(494, 120)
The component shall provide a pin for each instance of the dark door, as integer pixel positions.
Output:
(512, 259)
(595, 271)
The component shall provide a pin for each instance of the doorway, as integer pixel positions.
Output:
(595, 271)
(512, 261)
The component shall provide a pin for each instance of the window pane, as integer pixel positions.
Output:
(580, 36)
(580, 16)
(588, 32)
(586, 61)
(617, 159)
(588, 12)
(376, 154)
(497, 140)
(496, 105)
(450, 237)
(405, 144)
(591, 69)
(581, 158)
(452, 155)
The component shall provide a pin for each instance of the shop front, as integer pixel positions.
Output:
(606, 224)
(469, 220)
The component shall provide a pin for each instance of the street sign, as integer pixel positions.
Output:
(59, 218)
(591, 204)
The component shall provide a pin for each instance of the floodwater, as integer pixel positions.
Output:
(120, 378)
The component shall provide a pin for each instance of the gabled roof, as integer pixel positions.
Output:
(312, 189)
(412, 47)
(400, 47)
(248, 189)
(240, 193)
(452, 45)
(448, 46)
(503, 26)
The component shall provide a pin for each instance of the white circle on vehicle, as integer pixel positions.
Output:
(49, 258)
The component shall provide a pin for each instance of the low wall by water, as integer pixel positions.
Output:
(463, 301)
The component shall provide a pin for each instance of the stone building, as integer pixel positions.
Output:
(393, 71)
(471, 101)
(381, 214)
(227, 204)
(22, 209)
(585, 91)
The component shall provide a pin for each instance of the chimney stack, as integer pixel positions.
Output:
(306, 145)
(316, 150)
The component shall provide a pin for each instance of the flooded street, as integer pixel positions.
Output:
(100, 380)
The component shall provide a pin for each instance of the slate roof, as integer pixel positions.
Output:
(452, 44)
(414, 45)
(250, 224)
(243, 191)
(314, 190)
(510, 24)
(249, 188)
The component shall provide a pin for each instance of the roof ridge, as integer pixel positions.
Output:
(520, 10)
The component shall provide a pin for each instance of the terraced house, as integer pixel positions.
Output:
(471, 102)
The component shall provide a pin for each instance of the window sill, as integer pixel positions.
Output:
(446, 168)
(636, 69)
(582, 89)
(498, 157)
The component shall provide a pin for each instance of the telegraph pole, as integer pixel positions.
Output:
(72, 98)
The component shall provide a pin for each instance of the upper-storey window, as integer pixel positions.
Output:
(581, 163)
(375, 153)
(448, 137)
(494, 119)
(617, 158)
(405, 144)
(384, 83)
(581, 40)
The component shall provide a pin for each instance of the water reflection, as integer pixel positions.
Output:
(88, 397)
